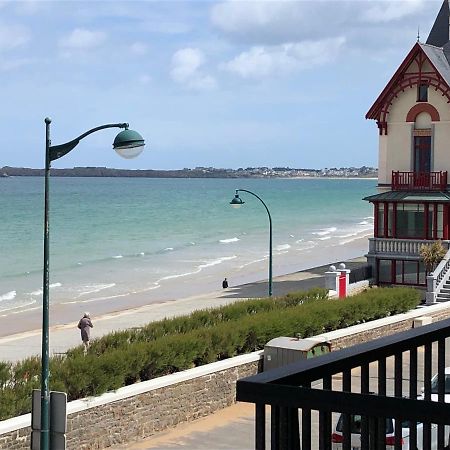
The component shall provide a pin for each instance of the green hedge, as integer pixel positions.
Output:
(171, 345)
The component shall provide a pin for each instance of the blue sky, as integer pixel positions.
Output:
(224, 84)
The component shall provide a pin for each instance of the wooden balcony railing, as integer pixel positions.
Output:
(419, 181)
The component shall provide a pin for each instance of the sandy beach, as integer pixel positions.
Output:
(20, 334)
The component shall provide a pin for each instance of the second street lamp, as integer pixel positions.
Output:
(128, 144)
(237, 202)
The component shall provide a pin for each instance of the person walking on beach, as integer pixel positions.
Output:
(85, 326)
(225, 283)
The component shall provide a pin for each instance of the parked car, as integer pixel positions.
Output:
(355, 440)
(434, 387)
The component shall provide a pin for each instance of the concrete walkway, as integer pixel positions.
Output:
(62, 337)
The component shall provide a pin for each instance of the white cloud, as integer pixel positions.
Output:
(82, 39)
(390, 11)
(264, 61)
(260, 22)
(186, 69)
(138, 48)
(13, 36)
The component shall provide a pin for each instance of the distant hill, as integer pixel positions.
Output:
(198, 172)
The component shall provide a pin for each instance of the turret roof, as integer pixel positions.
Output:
(439, 34)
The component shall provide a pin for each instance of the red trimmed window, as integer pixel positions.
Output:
(422, 92)
(411, 220)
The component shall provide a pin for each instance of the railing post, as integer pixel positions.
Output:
(431, 289)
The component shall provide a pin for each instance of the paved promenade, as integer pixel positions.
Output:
(62, 337)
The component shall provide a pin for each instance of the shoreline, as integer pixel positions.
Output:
(20, 321)
(17, 345)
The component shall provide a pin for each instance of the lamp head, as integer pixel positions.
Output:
(128, 144)
(237, 202)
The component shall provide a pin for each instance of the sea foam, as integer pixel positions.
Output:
(11, 295)
(228, 241)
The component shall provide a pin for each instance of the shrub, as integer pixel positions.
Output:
(171, 345)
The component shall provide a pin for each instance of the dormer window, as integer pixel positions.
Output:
(422, 92)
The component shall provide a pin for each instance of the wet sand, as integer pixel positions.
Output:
(26, 342)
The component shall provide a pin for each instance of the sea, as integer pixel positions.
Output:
(115, 240)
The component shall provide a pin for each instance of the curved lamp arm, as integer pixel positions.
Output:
(58, 151)
(270, 234)
(260, 199)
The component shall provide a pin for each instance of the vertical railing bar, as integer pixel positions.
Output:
(381, 428)
(325, 420)
(364, 419)
(413, 393)
(427, 388)
(274, 427)
(441, 387)
(398, 380)
(283, 437)
(346, 387)
(293, 429)
(260, 426)
(306, 425)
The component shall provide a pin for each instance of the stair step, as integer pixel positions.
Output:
(444, 295)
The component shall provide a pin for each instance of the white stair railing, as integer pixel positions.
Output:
(437, 279)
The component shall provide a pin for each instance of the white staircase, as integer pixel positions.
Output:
(438, 282)
(444, 293)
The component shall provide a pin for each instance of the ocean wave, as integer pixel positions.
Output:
(40, 291)
(282, 247)
(325, 238)
(325, 231)
(168, 249)
(117, 256)
(96, 288)
(12, 309)
(355, 237)
(214, 262)
(253, 262)
(11, 295)
(228, 241)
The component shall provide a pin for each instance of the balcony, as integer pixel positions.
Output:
(396, 247)
(305, 397)
(419, 181)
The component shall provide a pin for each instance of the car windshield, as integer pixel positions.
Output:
(434, 384)
(355, 424)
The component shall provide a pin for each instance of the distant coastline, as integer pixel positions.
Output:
(197, 172)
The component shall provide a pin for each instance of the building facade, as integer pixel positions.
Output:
(413, 117)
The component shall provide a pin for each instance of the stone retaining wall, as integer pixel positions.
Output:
(145, 408)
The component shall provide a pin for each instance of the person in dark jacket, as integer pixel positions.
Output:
(85, 326)
(225, 283)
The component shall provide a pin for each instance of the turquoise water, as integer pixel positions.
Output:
(112, 238)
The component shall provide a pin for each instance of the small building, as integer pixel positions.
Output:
(413, 118)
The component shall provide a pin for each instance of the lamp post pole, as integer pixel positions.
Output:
(237, 202)
(128, 144)
(45, 394)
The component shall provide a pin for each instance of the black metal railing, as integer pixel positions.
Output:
(390, 371)
(360, 274)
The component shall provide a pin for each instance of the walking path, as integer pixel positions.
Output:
(62, 337)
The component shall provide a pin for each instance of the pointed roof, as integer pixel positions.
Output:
(439, 34)
(436, 50)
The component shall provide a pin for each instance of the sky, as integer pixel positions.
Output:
(225, 84)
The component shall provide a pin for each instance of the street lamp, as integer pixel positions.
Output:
(128, 144)
(237, 202)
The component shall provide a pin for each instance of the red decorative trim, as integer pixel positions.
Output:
(445, 220)
(402, 81)
(376, 212)
(420, 108)
(382, 127)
